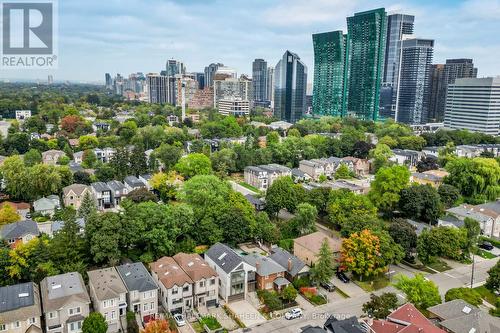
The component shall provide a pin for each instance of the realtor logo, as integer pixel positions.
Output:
(28, 34)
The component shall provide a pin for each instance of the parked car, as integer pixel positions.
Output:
(294, 313)
(487, 246)
(328, 286)
(342, 277)
(179, 319)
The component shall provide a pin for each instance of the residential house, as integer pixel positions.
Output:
(258, 203)
(458, 316)
(294, 267)
(347, 325)
(172, 119)
(488, 216)
(312, 168)
(406, 318)
(205, 278)
(360, 166)
(21, 208)
(300, 176)
(19, 232)
(74, 142)
(73, 195)
(432, 177)
(133, 183)
(176, 287)
(407, 157)
(269, 275)
(104, 155)
(51, 157)
(346, 185)
(75, 167)
(22, 115)
(145, 179)
(55, 226)
(469, 151)
(262, 176)
(47, 206)
(102, 194)
(118, 191)
(78, 157)
(236, 276)
(101, 126)
(142, 296)
(65, 302)
(108, 294)
(433, 151)
(20, 310)
(280, 125)
(307, 247)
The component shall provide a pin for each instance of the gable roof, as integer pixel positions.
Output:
(349, 325)
(100, 187)
(19, 229)
(48, 203)
(224, 257)
(106, 283)
(78, 189)
(19, 302)
(62, 289)
(313, 242)
(264, 265)
(133, 181)
(286, 259)
(195, 266)
(136, 277)
(170, 273)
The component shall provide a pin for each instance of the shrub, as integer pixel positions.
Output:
(471, 296)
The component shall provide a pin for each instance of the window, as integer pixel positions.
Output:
(175, 291)
(16, 324)
(202, 284)
(74, 311)
(145, 307)
(113, 314)
(177, 301)
(185, 289)
(31, 321)
(152, 306)
(108, 303)
(2, 327)
(212, 281)
(75, 327)
(52, 315)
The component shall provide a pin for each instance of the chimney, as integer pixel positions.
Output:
(257, 265)
(289, 264)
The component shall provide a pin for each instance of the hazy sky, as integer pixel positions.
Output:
(124, 36)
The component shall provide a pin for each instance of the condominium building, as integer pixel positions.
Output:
(259, 81)
(234, 107)
(233, 89)
(263, 176)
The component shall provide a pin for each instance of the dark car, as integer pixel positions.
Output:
(486, 246)
(342, 277)
(328, 286)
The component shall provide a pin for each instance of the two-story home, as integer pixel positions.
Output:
(19, 232)
(78, 157)
(294, 267)
(205, 278)
(102, 194)
(307, 247)
(73, 195)
(269, 275)
(133, 183)
(432, 177)
(108, 294)
(118, 191)
(236, 276)
(142, 296)
(145, 178)
(52, 156)
(176, 287)
(262, 176)
(47, 205)
(65, 302)
(21, 208)
(360, 166)
(488, 216)
(104, 155)
(20, 310)
(406, 157)
(312, 168)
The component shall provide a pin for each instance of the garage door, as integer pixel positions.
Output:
(211, 303)
(178, 310)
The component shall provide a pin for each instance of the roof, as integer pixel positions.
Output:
(254, 200)
(78, 189)
(195, 266)
(312, 329)
(19, 229)
(19, 302)
(492, 206)
(453, 220)
(115, 185)
(58, 225)
(16, 205)
(133, 181)
(48, 203)
(408, 314)
(52, 152)
(100, 187)
(62, 289)
(426, 176)
(298, 173)
(264, 265)
(224, 257)
(281, 281)
(106, 283)
(313, 242)
(136, 277)
(476, 213)
(170, 273)
(349, 325)
(284, 258)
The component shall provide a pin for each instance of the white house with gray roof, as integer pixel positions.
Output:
(65, 302)
(488, 216)
(236, 276)
(118, 191)
(102, 194)
(19, 232)
(109, 296)
(142, 296)
(20, 310)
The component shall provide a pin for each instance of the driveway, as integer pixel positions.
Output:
(186, 328)
(238, 188)
(247, 313)
(351, 289)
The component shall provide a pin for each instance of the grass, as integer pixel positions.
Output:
(439, 266)
(211, 322)
(249, 187)
(372, 283)
(419, 266)
(487, 294)
(485, 254)
(315, 299)
(198, 328)
(341, 293)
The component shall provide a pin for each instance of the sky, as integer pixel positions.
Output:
(126, 36)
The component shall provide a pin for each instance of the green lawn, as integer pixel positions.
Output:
(439, 265)
(485, 254)
(198, 328)
(250, 187)
(372, 283)
(487, 294)
(211, 322)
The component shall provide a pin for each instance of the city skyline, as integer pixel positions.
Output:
(122, 36)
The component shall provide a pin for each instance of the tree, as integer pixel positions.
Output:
(427, 163)
(386, 188)
(323, 269)
(67, 247)
(8, 214)
(224, 161)
(166, 184)
(449, 194)
(318, 197)
(194, 164)
(304, 221)
(103, 236)
(379, 307)
(469, 295)
(87, 207)
(168, 155)
(420, 292)
(441, 241)
(281, 194)
(493, 280)
(132, 326)
(473, 229)
(94, 323)
(343, 172)
(157, 326)
(289, 293)
(72, 123)
(138, 162)
(89, 159)
(412, 142)
(362, 149)
(88, 142)
(32, 157)
(141, 195)
(404, 234)
(421, 202)
(344, 205)
(380, 155)
(81, 177)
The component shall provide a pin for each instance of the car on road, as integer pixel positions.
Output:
(328, 286)
(487, 246)
(294, 313)
(342, 277)
(179, 319)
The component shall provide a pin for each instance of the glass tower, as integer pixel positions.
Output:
(330, 74)
(366, 41)
(259, 81)
(290, 88)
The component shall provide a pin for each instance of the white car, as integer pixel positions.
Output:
(294, 313)
(179, 319)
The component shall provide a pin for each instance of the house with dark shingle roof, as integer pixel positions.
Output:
(236, 276)
(348, 325)
(133, 183)
(19, 232)
(102, 194)
(142, 296)
(269, 274)
(20, 310)
(294, 267)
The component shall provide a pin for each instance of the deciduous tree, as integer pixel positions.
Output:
(379, 307)
(421, 292)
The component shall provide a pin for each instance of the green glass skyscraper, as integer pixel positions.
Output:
(330, 74)
(366, 41)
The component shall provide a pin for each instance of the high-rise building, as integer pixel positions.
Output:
(474, 104)
(290, 84)
(270, 86)
(175, 67)
(161, 89)
(259, 80)
(438, 89)
(200, 78)
(414, 80)
(398, 26)
(210, 73)
(108, 81)
(453, 69)
(232, 94)
(330, 74)
(366, 42)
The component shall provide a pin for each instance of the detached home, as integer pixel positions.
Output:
(269, 275)
(73, 195)
(102, 195)
(20, 310)
(307, 247)
(19, 232)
